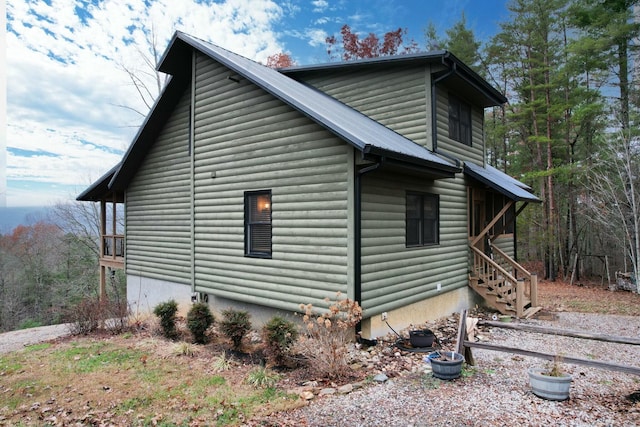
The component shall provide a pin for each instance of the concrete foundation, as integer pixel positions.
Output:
(420, 312)
(143, 294)
(259, 313)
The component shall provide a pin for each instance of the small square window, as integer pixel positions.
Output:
(459, 120)
(257, 223)
(422, 219)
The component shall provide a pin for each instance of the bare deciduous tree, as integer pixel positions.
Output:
(614, 199)
(141, 78)
(82, 220)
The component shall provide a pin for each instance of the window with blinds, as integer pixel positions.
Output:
(422, 219)
(257, 223)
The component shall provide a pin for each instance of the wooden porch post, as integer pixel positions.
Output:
(114, 227)
(520, 297)
(534, 290)
(103, 231)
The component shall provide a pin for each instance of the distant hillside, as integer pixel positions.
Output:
(10, 218)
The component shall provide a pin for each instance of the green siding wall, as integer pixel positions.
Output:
(397, 97)
(245, 139)
(394, 275)
(158, 205)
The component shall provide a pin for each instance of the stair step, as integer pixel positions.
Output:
(507, 298)
(530, 312)
(498, 283)
(486, 278)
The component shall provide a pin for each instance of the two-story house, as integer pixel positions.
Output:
(265, 189)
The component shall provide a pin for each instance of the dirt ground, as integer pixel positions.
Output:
(587, 297)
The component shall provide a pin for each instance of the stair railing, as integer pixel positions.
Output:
(519, 272)
(484, 267)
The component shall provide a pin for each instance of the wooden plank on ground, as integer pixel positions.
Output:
(462, 337)
(561, 332)
(592, 363)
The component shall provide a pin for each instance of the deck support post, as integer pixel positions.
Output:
(534, 290)
(520, 297)
(103, 232)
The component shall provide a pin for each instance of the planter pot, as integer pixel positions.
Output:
(446, 369)
(421, 338)
(548, 387)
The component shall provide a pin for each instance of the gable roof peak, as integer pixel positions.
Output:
(351, 125)
(359, 130)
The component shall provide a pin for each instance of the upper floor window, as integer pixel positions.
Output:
(422, 219)
(459, 120)
(257, 223)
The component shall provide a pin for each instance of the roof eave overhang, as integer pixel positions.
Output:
(434, 170)
(492, 96)
(100, 190)
(175, 56)
(505, 191)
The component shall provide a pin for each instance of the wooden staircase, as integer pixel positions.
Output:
(504, 284)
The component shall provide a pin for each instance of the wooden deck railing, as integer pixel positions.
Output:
(113, 246)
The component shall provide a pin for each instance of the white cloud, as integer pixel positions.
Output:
(316, 37)
(320, 5)
(66, 86)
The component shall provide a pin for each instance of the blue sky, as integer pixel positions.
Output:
(71, 109)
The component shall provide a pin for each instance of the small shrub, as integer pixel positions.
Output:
(199, 319)
(235, 325)
(166, 311)
(86, 317)
(92, 314)
(279, 335)
(325, 342)
(262, 377)
(555, 370)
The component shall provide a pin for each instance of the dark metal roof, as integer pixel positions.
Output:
(365, 134)
(463, 76)
(99, 189)
(362, 132)
(501, 182)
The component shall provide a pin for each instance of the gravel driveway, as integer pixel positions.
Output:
(15, 340)
(498, 394)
